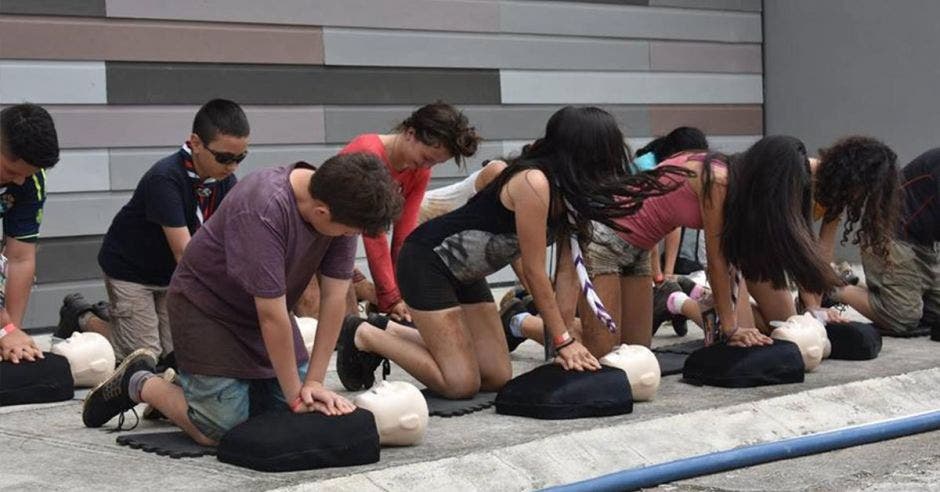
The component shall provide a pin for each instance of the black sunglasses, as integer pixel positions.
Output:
(226, 158)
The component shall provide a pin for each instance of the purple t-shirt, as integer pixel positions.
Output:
(255, 245)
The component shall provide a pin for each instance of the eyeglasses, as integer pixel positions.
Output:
(226, 158)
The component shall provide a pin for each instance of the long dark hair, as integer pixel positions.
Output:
(584, 156)
(440, 123)
(859, 175)
(682, 138)
(767, 231)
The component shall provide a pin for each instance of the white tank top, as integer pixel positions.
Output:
(440, 201)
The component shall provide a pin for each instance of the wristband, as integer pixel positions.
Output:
(569, 342)
(294, 405)
(6, 330)
(561, 339)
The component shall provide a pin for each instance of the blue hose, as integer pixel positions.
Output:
(707, 464)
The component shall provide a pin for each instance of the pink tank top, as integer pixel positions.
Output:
(660, 215)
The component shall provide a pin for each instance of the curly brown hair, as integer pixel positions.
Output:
(359, 191)
(440, 123)
(859, 176)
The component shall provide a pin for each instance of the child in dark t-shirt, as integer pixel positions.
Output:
(239, 351)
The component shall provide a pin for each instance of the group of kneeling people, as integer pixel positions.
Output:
(203, 275)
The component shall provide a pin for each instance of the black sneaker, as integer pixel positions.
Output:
(355, 368)
(73, 306)
(111, 398)
(102, 309)
(686, 284)
(512, 308)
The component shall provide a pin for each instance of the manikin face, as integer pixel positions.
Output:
(90, 356)
(401, 413)
(808, 334)
(641, 367)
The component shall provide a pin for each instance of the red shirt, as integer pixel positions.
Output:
(412, 183)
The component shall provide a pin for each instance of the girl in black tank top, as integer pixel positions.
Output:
(459, 347)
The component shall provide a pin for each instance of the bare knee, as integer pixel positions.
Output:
(460, 388)
(496, 380)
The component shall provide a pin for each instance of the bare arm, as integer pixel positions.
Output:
(279, 342)
(177, 238)
(527, 194)
(567, 288)
(827, 246)
(332, 310)
(671, 247)
(489, 172)
(21, 271)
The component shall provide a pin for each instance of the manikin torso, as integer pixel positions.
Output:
(641, 367)
(401, 413)
(308, 331)
(90, 357)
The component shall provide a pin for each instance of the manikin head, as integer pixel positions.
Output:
(641, 367)
(808, 334)
(308, 331)
(90, 356)
(401, 413)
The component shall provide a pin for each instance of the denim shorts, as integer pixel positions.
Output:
(216, 404)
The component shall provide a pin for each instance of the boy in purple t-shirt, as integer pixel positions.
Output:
(239, 351)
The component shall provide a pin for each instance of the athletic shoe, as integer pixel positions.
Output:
(112, 398)
(150, 411)
(512, 308)
(355, 368)
(73, 306)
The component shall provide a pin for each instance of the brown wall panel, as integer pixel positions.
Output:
(47, 38)
(713, 120)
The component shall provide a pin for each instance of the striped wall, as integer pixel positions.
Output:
(123, 79)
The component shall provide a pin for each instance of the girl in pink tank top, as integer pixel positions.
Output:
(755, 213)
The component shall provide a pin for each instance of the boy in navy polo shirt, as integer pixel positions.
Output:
(28, 146)
(148, 235)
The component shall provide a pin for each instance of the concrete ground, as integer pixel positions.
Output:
(47, 448)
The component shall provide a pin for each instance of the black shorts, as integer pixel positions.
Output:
(427, 284)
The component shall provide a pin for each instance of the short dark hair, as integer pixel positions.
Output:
(220, 116)
(359, 191)
(27, 132)
(440, 123)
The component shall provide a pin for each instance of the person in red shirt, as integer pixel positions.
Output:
(433, 134)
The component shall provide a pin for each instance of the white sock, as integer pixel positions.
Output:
(515, 324)
(675, 301)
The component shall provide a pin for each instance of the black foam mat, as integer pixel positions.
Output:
(439, 406)
(172, 444)
(671, 358)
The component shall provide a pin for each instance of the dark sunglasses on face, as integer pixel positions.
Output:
(226, 158)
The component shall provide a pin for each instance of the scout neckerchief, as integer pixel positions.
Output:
(206, 201)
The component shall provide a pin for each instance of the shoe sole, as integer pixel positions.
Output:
(118, 372)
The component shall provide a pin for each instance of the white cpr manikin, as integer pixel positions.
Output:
(90, 357)
(308, 331)
(401, 413)
(641, 367)
(808, 334)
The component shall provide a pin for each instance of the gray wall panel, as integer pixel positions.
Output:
(45, 82)
(535, 87)
(164, 83)
(436, 49)
(876, 71)
(80, 214)
(629, 22)
(748, 5)
(705, 57)
(67, 259)
(90, 8)
(45, 300)
(492, 122)
(79, 170)
(438, 15)
(154, 126)
(132, 40)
